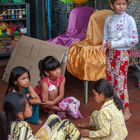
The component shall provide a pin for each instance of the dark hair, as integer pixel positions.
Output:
(47, 64)
(103, 86)
(3, 127)
(14, 103)
(127, 1)
(16, 72)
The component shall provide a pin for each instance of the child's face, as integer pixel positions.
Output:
(55, 73)
(99, 98)
(119, 6)
(28, 110)
(23, 80)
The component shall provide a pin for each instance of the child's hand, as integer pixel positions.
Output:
(43, 102)
(27, 95)
(107, 45)
(47, 103)
(103, 48)
(59, 109)
(83, 125)
(85, 132)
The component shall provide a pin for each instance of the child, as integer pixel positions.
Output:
(3, 127)
(51, 85)
(108, 122)
(120, 35)
(19, 81)
(18, 129)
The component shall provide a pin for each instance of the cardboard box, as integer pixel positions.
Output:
(27, 52)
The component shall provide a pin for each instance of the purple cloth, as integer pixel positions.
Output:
(77, 26)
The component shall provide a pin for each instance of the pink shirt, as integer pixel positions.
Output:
(52, 85)
(57, 82)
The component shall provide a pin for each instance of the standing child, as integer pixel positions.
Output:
(120, 35)
(17, 107)
(51, 85)
(108, 122)
(19, 81)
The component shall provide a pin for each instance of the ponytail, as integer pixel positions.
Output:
(4, 127)
(103, 86)
(41, 68)
(118, 102)
(9, 88)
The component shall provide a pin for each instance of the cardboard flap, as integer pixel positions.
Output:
(27, 52)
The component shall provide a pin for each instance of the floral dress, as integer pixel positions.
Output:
(121, 31)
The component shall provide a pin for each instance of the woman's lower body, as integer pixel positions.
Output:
(116, 70)
(57, 129)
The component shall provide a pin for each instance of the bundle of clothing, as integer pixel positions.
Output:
(70, 106)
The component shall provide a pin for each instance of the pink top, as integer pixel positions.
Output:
(57, 82)
(52, 85)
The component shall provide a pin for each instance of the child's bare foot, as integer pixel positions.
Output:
(39, 121)
(127, 114)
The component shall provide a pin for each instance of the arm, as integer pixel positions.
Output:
(105, 34)
(34, 97)
(104, 125)
(44, 94)
(129, 39)
(26, 133)
(92, 119)
(106, 30)
(61, 93)
(22, 131)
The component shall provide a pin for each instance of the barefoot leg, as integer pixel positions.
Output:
(127, 114)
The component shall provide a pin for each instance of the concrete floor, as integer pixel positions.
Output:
(75, 87)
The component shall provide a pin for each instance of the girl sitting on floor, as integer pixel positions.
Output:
(52, 83)
(107, 123)
(19, 81)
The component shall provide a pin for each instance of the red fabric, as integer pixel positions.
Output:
(48, 82)
(117, 67)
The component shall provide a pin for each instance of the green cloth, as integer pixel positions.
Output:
(67, 1)
(35, 109)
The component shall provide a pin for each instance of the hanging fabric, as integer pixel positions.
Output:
(60, 15)
(44, 20)
(48, 11)
(67, 1)
(79, 1)
(101, 4)
(74, 1)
